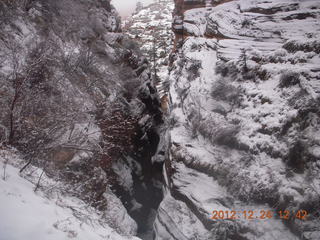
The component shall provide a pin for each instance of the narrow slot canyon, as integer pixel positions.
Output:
(147, 192)
(167, 120)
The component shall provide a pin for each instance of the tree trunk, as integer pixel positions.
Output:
(12, 130)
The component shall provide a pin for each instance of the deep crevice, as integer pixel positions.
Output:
(147, 184)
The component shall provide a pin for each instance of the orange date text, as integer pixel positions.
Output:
(260, 214)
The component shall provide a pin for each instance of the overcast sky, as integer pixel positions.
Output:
(126, 7)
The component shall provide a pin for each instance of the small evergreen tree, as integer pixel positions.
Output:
(243, 60)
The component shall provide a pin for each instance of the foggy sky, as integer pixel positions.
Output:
(126, 7)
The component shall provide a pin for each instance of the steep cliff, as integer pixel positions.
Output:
(150, 27)
(77, 102)
(244, 122)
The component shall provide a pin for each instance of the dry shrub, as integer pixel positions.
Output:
(224, 91)
(193, 69)
(295, 46)
(289, 78)
(227, 68)
(118, 131)
(217, 132)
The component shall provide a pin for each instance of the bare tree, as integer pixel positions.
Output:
(20, 77)
(154, 56)
(34, 108)
(157, 44)
(5, 163)
(38, 182)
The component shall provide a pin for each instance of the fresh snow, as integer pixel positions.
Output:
(252, 166)
(26, 214)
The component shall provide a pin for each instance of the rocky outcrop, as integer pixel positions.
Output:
(244, 126)
(150, 28)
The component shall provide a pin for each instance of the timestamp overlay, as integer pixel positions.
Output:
(258, 214)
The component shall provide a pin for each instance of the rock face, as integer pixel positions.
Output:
(77, 100)
(150, 27)
(244, 122)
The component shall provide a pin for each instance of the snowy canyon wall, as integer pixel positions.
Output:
(244, 121)
(150, 27)
(77, 100)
